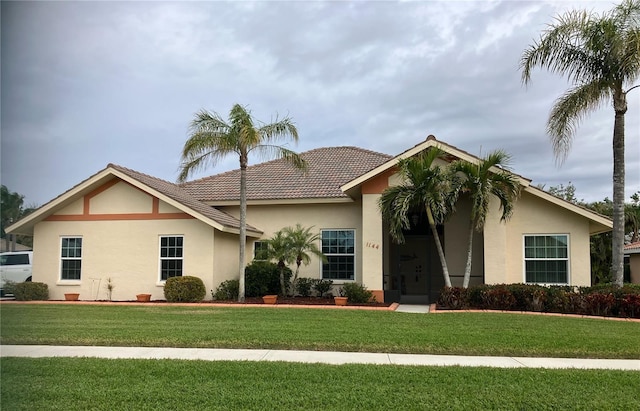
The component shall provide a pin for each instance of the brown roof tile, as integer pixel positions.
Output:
(176, 193)
(328, 169)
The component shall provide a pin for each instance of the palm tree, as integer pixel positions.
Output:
(303, 243)
(211, 139)
(482, 181)
(425, 186)
(600, 55)
(279, 248)
(632, 220)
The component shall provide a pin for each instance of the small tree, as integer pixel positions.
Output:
(303, 244)
(425, 186)
(279, 249)
(481, 181)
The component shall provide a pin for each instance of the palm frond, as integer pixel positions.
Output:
(289, 156)
(570, 109)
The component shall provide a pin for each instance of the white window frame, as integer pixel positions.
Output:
(354, 254)
(161, 258)
(255, 243)
(525, 259)
(68, 281)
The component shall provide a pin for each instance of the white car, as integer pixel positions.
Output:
(15, 266)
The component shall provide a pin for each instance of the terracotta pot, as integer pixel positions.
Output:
(340, 300)
(71, 296)
(269, 299)
(143, 298)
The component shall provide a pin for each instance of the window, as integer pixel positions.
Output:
(260, 250)
(546, 259)
(71, 257)
(339, 248)
(170, 257)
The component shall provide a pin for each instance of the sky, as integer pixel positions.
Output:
(85, 84)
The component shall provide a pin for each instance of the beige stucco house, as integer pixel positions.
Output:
(632, 252)
(138, 230)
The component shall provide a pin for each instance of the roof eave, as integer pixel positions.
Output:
(350, 187)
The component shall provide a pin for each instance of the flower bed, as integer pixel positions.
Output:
(600, 300)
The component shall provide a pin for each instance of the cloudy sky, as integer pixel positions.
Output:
(85, 84)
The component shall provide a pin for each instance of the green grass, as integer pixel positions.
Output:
(99, 384)
(314, 329)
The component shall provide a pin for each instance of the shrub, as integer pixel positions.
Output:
(263, 278)
(630, 306)
(357, 293)
(499, 297)
(599, 303)
(227, 290)
(28, 291)
(303, 286)
(8, 287)
(186, 289)
(322, 286)
(454, 298)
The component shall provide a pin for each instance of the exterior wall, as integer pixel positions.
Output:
(533, 215)
(634, 265)
(456, 242)
(122, 242)
(271, 218)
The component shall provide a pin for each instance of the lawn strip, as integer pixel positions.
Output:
(99, 384)
(494, 334)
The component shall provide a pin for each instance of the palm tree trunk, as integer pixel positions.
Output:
(243, 224)
(467, 268)
(443, 261)
(617, 238)
(283, 287)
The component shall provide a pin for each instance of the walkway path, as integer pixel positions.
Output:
(326, 357)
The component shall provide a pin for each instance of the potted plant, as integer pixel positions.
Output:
(143, 298)
(341, 300)
(270, 299)
(71, 296)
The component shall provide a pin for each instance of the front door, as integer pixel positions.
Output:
(413, 269)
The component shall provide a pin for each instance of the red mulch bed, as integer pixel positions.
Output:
(302, 301)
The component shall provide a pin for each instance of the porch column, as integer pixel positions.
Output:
(372, 245)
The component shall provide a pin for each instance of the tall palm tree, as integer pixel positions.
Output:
(303, 244)
(211, 139)
(482, 181)
(600, 55)
(426, 186)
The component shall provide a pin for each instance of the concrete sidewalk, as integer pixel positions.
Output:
(325, 357)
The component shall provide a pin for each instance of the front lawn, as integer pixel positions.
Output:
(100, 384)
(494, 334)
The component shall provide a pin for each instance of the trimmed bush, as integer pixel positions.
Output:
(185, 289)
(454, 298)
(303, 286)
(357, 293)
(28, 291)
(600, 300)
(263, 278)
(227, 290)
(322, 286)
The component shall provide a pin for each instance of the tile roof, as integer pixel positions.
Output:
(328, 169)
(176, 193)
(633, 247)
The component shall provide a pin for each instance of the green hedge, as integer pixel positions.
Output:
(187, 289)
(263, 278)
(28, 291)
(227, 290)
(600, 300)
(357, 293)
